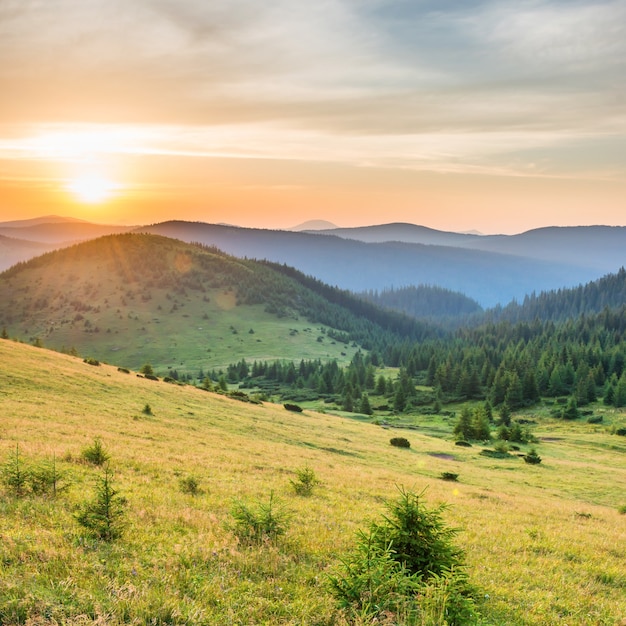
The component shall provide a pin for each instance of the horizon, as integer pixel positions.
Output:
(499, 118)
(293, 227)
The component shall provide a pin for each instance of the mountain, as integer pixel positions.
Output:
(403, 232)
(15, 250)
(597, 248)
(488, 277)
(314, 225)
(608, 292)
(131, 299)
(61, 231)
(46, 219)
(427, 302)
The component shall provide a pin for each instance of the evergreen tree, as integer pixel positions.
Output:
(364, 406)
(480, 425)
(463, 428)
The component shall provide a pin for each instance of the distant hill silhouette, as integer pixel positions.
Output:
(314, 225)
(599, 248)
(490, 278)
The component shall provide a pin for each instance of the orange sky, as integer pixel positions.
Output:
(499, 117)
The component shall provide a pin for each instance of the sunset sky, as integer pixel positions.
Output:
(499, 116)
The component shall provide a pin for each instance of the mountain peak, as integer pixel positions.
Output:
(314, 225)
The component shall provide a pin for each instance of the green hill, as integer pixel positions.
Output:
(544, 542)
(131, 299)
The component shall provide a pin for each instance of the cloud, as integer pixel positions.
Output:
(414, 82)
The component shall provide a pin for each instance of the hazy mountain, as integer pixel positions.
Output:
(313, 225)
(487, 277)
(15, 250)
(598, 248)
(60, 231)
(46, 219)
(404, 232)
(423, 301)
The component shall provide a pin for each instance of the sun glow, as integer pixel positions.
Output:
(92, 189)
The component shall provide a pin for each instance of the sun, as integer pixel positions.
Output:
(92, 189)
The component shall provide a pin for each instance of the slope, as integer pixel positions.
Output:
(132, 299)
(542, 541)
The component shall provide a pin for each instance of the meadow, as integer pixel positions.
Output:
(544, 543)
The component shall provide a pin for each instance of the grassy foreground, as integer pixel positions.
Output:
(545, 543)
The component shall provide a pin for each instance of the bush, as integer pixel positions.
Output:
(103, 516)
(532, 457)
(306, 482)
(463, 443)
(91, 361)
(190, 485)
(449, 476)
(21, 479)
(400, 442)
(293, 407)
(45, 479)
(147, 410)
(622, 509)
(621, 432)
(406, 565)
(265, 523)
(95, 453)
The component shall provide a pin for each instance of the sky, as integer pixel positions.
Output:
(498, 116)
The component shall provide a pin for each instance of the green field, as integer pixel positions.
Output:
(544, 543)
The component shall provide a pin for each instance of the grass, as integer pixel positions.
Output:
(544, 543)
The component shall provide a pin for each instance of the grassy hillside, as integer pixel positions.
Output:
(132, 299)
(544, 542)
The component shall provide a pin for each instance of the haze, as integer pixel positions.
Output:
(498, 116)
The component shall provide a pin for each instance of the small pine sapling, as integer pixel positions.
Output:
(103, 516)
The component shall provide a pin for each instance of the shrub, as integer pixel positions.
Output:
(147, 410)
(449, 476)
(532, 457)
(622, 509)
(45, 478)
(146, 370)
(91, 361)
(306, 482)
(266, 522)
(463, 443)
(406, 565)
(621, 432)
(190, 485)
(594, 419)
(95, 453)
(124, 370)
(103, 516)
(400, 442)
(293, 407)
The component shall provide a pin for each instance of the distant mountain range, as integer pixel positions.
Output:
(491, 269)
(602, 248)
(488, 277)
